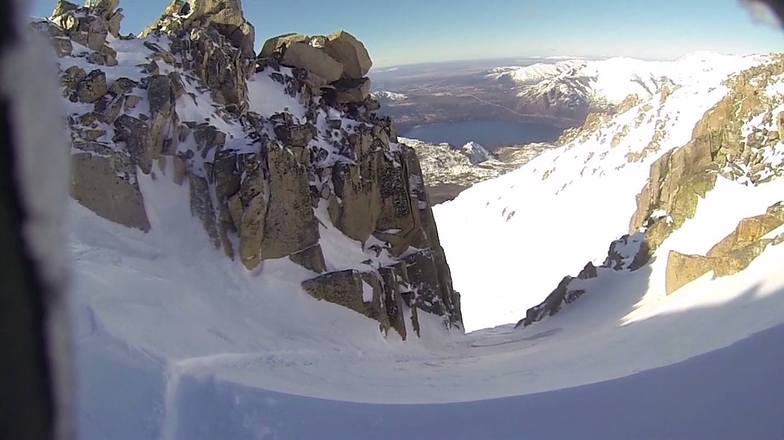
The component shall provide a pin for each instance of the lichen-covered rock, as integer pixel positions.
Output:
(680, 178)
(290, 225)
(749, 231)
(92, 87)
(263, 186)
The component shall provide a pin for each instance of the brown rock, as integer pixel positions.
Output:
(313, 60)
(249, 210)
(350, 52)
(352, 90)
(92, 87)
(107, 186)
(280, 43)
(350, 289)
(311, 258)
(683, 269)
(290, 225)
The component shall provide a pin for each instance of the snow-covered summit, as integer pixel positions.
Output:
(389, 96)
(595, 83)
(476, 153)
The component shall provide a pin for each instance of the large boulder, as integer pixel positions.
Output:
(350, 52)
(338, 56)
(280, 43)
(313, 60)
(134, 133)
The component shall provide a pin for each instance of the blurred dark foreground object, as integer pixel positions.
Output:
(26, 402)
(34, 367)
(774, 6)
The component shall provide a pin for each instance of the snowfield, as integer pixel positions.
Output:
(175, 341)
(547, 219)
(610, 81)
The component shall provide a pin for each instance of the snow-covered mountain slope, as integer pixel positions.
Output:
(476, 153)
(176, 341)
(564, 208)
(277, 161)
(449, 170)
(383, 95)
(576, 87)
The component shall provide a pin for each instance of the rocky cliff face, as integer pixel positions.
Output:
(277, 150)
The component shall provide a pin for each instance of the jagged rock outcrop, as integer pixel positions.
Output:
(624, 254)
(738, 140)
(729, 256)
(336, 65)
(680, 178)
(264, 186)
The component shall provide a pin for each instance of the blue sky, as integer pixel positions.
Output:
(415, 31)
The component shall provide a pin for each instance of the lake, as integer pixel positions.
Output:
(490, 134)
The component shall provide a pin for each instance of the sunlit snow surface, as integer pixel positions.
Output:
(509, 241)
(175, 341)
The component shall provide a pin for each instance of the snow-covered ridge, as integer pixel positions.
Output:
(612, 80)
(566, 206)
(389, 96)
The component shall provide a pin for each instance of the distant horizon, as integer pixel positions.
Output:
(556, 58)
(410, 32)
